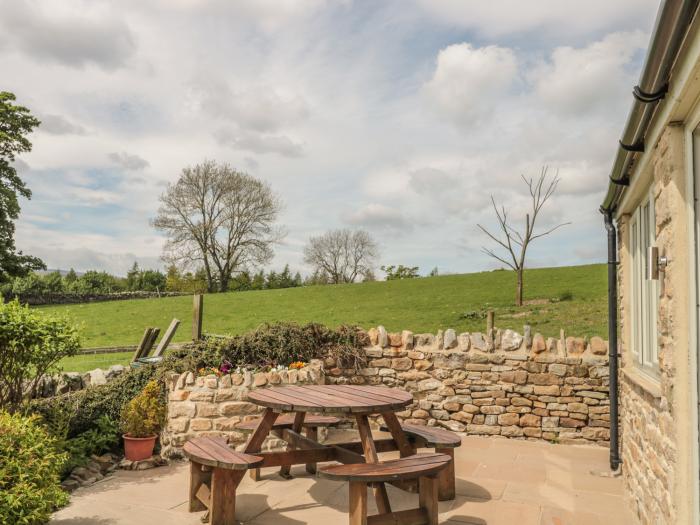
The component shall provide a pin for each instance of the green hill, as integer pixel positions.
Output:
(573, 298)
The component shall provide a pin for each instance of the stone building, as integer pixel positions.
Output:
(651, 212)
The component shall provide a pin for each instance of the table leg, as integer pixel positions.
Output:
(256, 439)
(404, 446)
(296, 427)
(370, 450)
(311, 433)
(392, 422)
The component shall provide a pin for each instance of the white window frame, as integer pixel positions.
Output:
(644, 293)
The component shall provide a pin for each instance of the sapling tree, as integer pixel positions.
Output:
(515, 242)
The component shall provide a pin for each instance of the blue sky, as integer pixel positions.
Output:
(399, 117)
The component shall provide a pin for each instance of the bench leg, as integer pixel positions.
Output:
(428, 498)
(222, 505)
(197, 478)
(446, 478)
(254, 474)
(311, 433)
(296, 427)
(358, 503)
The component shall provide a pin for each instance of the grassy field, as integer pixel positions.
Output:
(573, 298)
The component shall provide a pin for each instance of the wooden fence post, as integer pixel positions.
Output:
(197, 314)
(489, 322)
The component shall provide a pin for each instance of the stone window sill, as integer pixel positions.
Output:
(643, 381)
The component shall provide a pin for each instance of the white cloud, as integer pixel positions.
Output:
(468, 81)
(378, 216)
(543, 17)
(129, 161)
(595, 77)
(59, 125)
(73, 34)
(259, 108)
(260, 143)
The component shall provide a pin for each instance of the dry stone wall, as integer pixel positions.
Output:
(212, 406)
(503, 384)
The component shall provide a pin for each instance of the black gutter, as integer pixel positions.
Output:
(613, 354)
(672, 23)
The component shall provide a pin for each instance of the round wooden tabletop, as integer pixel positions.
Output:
(356, 399)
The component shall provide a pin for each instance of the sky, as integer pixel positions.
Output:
(399, 117)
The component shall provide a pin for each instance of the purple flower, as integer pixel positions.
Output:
(226, 367)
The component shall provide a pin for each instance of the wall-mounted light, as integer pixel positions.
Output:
(655, 264)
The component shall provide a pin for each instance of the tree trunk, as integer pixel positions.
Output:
(519, 288)
(223, 282)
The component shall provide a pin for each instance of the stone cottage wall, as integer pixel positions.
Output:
(654, 412)
(504, 384)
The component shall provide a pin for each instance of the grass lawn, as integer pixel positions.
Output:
(573, 298)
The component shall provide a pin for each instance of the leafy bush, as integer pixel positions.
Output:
(400, 272)
(102, 438)
(29, 471)
(285, 343)
(31, 345)
(85, 407)
(144, 415)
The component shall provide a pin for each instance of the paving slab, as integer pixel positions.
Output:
(499, 482)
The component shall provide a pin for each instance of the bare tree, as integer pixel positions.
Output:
(514, 242)
(344, 255)
(218, 219)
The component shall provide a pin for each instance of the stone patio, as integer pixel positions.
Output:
(500, 481)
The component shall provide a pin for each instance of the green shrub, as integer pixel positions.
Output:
(144, 415)
(29, 471)
(104, 437)
(31, 345)
(285, 343)
(85, 407)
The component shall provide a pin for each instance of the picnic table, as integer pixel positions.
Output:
(356, 401)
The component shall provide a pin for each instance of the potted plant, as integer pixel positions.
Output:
(142, 419)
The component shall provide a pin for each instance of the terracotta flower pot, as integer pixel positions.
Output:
(138, 449)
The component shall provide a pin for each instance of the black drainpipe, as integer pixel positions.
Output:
(612, 340)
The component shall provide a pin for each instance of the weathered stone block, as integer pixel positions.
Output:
(401, 363)
(198, 425)
(238, 408)
(530, 420)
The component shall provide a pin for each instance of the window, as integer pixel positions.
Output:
(644, 292)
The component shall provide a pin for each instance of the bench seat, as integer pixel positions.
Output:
(430, 437)
(213, 477)
(409, 467)
(443, 441)
(421, 467)
(215, 452)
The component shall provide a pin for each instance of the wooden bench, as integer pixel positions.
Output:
(310, 425)
(423, 467)
(213, 478)
(444, 442)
